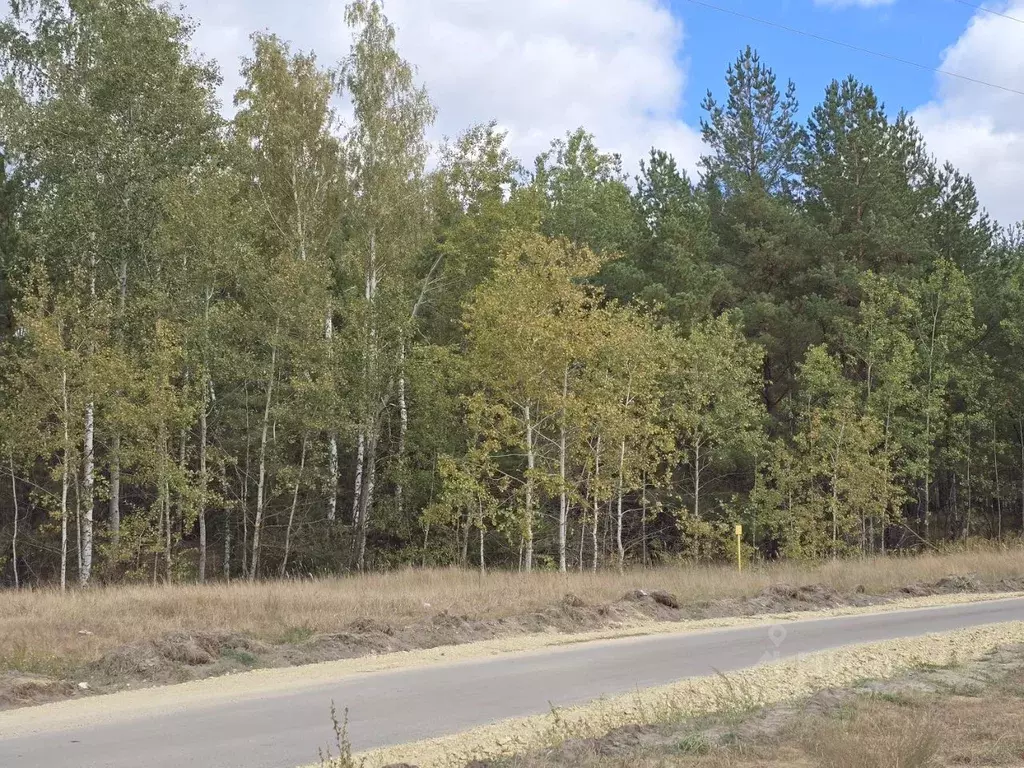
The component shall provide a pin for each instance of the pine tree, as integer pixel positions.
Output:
(754, 136)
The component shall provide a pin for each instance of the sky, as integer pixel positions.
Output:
(634, 72)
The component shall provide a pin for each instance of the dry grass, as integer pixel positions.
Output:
(45, 631)
(912, 730)
(607, 726)
(876, 737)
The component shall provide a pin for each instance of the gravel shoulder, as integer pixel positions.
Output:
(966, 714)
(603, 724)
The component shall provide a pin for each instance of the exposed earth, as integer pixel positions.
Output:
(189, 655)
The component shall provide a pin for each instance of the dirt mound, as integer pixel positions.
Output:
(370, 626)
(785, 598)
(172, 657)
(815, 595)
(950, 585)
(573, 601)
(665, 598)
(18, 689)
(916, 590)
(659, 596)
(190, 649)
(953, 584)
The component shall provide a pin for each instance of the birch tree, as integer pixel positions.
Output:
(109, 102)
(526, 328)
(291, 175)
(385, 153)
(714, 404)
(842, 478)
(47, 366)
(623, 405)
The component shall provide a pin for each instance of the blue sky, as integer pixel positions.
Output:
(918, 30)
(633, 72)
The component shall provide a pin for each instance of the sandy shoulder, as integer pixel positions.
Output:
(762, 685)
(211, 692)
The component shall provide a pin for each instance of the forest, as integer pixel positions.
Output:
(307, 341)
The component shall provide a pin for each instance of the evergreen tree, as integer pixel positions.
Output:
(754, 136)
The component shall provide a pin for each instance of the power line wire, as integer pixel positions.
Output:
(852, 47)
(982, 8)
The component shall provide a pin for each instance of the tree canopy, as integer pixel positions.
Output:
(292, 342)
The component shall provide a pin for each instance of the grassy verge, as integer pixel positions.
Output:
(149, 635)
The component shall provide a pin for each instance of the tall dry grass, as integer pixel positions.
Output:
(49, 631)
(880, 737)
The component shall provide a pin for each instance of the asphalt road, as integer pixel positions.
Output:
(284, 730)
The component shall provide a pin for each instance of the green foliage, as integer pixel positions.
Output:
(837, 474)
(288, 344)
(754, 137)
(669, 266)
(587, 200)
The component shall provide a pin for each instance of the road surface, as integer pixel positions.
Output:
(285, 729)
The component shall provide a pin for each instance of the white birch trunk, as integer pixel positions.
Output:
(367, 453)
(88, 472)
(530, 462)
(928, 428)
(563, 499)
(291, 514)
(257, 527)
(366, 505)
(643, 522)
(332, 478)
(621, 482)
(403, 428)
(204, 482)
(696, 480)
(88, 478)
(114, 509)
(164, 500)
(332, 440)
(167, 528)
(227, 522)
(76, 481)
(999, 501)
(619, 511)
(14, 535)
(244, 506)
(426, 541)
(179, 516)
(480, 525)
(597, 503)
(357, 490)
(583, 540)
(836, 456)
(65, 481)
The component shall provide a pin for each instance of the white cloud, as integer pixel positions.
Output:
(980, 129)
(540, 68)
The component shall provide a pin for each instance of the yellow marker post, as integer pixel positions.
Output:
(739, 547)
